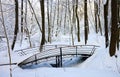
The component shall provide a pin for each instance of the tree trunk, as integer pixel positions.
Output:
(35, 15)
(16, 23)
(43, 23)
(27, 31)
(65, 18)
(70, 22)
(73, 21)
(85, 21)
(114, 28)
(8, 45)
(78, 25)
(96, 12)
(53, 22)
(106, 23)
(57, 20)
(22, 16)
(99, 22)
(21, 21)
(118, 19)
(49, 25)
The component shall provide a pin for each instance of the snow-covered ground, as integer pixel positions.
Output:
(59, 72)
(98, 65)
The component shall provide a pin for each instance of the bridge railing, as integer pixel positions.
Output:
(34, 50)
(26, 51)
(85, 50)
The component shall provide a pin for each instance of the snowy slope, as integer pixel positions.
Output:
(98, 65)
(102, 61)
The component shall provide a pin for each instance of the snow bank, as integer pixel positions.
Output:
(63, 72)
(102, 61)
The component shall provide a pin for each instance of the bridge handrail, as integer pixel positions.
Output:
(57, 46)
(43, 54)
(38, 47)
(25, 51)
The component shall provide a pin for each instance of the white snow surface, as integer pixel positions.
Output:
(59, 72)
(98, 65)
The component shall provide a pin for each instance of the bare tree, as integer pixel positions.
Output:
(99, 21)
(49, 22)
(70, 21)
(106, 23)
(43, 23)
(26, 26)
(8, 45)
(85, 21)
(114, 28)
(35, 15)
(96, 12)
(22, 28)
(65, 16)
(118, 19)
(53, 22)
(58, 12)
(73, 21)
(78, 25)
(97, 9)
(16, 23)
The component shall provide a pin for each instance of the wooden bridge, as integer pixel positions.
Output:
(57, 52)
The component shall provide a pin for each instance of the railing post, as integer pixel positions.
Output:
(35, 59)
(55, 46)
(76, 51)
(60, 57)
(56, 61)
(44, 47)
(92, 52)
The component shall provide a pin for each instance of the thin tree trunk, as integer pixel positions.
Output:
(106, 23)
(61, 18)
(49, 25)
(28, 33)
(8, 45)
(35, 15)
(73, 21)
(58, 13)
(16, 23)
(21, 21)
(53, 22)
(22, 16)
(118, 20)
(54, 17)
(85, 21)
(70, 22)
(78, 25)
(43, 23)
(57, 20)
(99, 22)
(51, 19)
(65, 17)
(96, 12)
